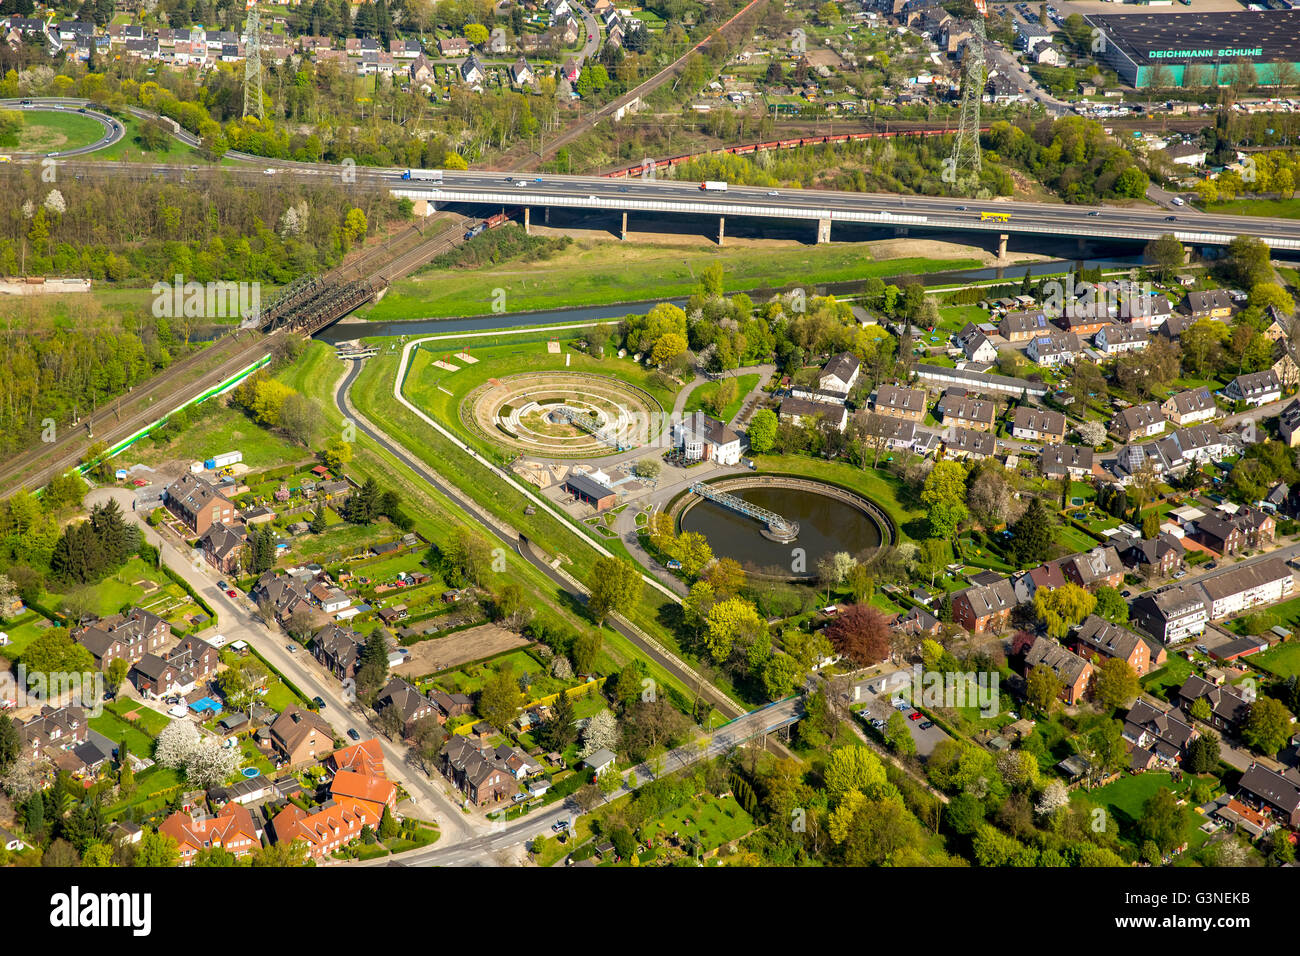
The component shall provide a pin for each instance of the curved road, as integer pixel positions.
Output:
(113, 130)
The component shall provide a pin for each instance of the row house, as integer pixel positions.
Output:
(407, 702)
(1074, 673)
(1228, 534)
(969, 443)
(896, 401)
(1158, 738)
(1255, 388)
(1269, 790)
(1211, 304)
(53, 730)
(1163, 554)
(1140, 421)
(1171, 615)
(338, 649)
(475, 769)
(301, 736)
(1228, 705)
(283, 592)
(127, 637)
(190, 664)
(1288, 423)
(1037, 424)
(405, 49)
(984, 608)
(1058, 461)
(371, 793)
(1098, 638)
(1084, 320)
(222, 545)
(1100, 566)
(957, 408)
(1285, 364)
(232, 830)
(800, 410)
(198, 503)
(1023, 326)
(1053, 349)
(1242, 588)
(324, 830)
(1190, 407)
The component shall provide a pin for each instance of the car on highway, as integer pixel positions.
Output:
(510, 179)
(319, 702)
(25, 103)
(82, 110)
(926, 724)
(1094, 213)
(1171, 218)
(352, 732)
(559, 826)
(538, 179)
(914, 715)
(590, 37)
(520, 184)
(591, 197)
(774, 193)
(622, 189)
(961, 208)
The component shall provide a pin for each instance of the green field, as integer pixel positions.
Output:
(1165, 681)
(1125, 798)
(128, 148)
(54, 131)
(1282, 660)
(1271, 208)
(703, 393)
(216, 429)
(592, 272)
(135, 583)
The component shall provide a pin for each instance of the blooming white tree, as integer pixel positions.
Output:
(1092, 433)
(561, 669)
(1054, 797)
(174, 744)
(55, 203)
(601, 732)
(208, 764)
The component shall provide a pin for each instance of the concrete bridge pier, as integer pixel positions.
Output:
(823, 230)
(546, 215)
(622, 233)
(900, 231)
(722, 229)
(528, 220)
(1081, 243)
(1002, 246)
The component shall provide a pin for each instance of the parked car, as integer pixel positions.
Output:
(926, 724)
(222, 585)
(231, 593)
(352, 732)
(319, 702)
(914, 715)
(292, 648)
(559, 826)
(1202, 648)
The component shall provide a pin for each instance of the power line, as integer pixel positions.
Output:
(253, 67)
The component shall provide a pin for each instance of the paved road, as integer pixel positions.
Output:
(238, 620)
(482, 850)
(113, 130)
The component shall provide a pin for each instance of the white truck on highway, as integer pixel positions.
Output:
(424, 175)
(713, 187)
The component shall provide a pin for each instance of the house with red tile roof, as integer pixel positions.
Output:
(322, 831)
(232, 830)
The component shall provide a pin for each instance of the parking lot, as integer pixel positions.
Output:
(878, 694)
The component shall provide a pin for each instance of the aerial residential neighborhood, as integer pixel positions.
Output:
(712, 434)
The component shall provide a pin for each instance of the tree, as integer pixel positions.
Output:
(1061, 608)
(586, 647)
(668, 347)
(1042, 688)
(731, 622)
(762, 431)
(781, 674)
(500, 699)
(1054, 798)
(1267, 726)
(1116, 683)
(559, 732)
(1032, 535)
(10, 743)
(337, 454)
(615, 585)
(156, 850)
(861, 633)
(944, 494)
(601, 733)
(1166, 255)
(1111, 605)
(899, 736)
(1202, 753)
(853, 768)
(1201, 710)
(1092, 433)
(1162, 821)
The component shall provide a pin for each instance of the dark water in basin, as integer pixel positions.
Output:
(826, 526)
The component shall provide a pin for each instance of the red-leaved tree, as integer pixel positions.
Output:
(861, 633)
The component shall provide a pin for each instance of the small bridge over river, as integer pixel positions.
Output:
(776, 527)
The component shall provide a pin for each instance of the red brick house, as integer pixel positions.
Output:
(198, 503)
(1074, 673)
(232, 830)
(323, 831)
(1101, 640)
(984, 608)
(125, 637)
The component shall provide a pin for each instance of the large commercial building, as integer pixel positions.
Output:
(1199, 49)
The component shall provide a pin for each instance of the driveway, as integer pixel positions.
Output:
(879, 705)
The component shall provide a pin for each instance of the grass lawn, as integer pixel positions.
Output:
(715, 821)
(704, 393)
(116, 729)
(134, 583)
(1272, 208)
(1125, 798)
(22, 630)
(128, 148)
(218, 429)
(592, 272)
(1165, 681)
(1074, 539)
(50, 131)
(953, 318)
(1282, 660)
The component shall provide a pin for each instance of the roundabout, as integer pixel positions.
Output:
(563, 415)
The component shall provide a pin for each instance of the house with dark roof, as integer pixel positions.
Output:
(301, 736)
(1094, 568)
(1163, 554)
(475, 769)
(969, 443)
(896, 401)
(1288, 424)
(955, 407)
(1074, 673)
(840, 373)
(1139, 421)
(125, 637)
(1189, 407)
(53, 730)
(984, 608)
(1058, 461)
(1171, 615)
(1228, 707)
(1255, 388)
(1098, 638)
(1037, 424)
(587, 489)
(1114, 339)
(179, 670)
(407, 702)
(338, 649)
(703, 438)
(1023, 326)
(222, 546)
(1208, 304)
(1247, 586)
(1158, 738)
(1054, 348)
(798, 410)
(1277, 794)
(198, 503)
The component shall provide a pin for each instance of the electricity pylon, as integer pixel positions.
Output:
(253, 67)
(965, 159)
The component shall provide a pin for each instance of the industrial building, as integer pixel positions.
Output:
(1199, 49)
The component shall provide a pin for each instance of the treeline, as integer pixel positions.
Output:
(1073, 156)
(214, 230)
(61, 361)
